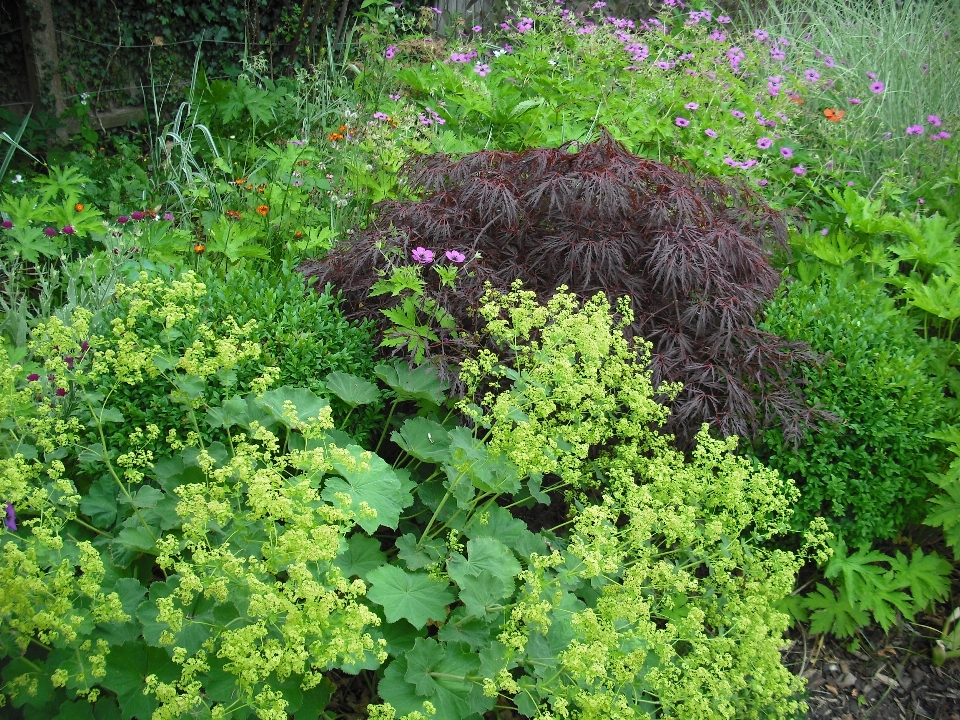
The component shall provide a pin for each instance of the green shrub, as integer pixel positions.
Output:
(866, 473)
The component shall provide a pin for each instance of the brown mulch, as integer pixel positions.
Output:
(888, 677)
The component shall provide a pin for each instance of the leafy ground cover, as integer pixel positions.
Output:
(571, 366)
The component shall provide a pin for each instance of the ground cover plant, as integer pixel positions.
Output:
(228, 572)
(222, 497)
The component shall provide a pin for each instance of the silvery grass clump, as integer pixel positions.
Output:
(911, 47)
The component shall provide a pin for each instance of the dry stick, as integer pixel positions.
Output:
(290, 52)
(318, 10)
(109, 63)
(340, 21)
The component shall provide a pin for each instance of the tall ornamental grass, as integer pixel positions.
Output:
(911, 46)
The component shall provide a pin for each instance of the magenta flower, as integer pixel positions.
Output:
(786, 152)
(481, 69)
(723, 19)
(915, 130)
(761, 35)
(477, 28)
(825, 232)
(681, 122)
(67, 230)
(718, 36)
(168, 216)
(811, 75)
(877, 87)
(422, 255)
(850, 183)
(61, 392)
(799, 170)
(872, 76)
(764, 142)
(455, 256)
(777, 54)
(921, 201)
(123, 219)
(829, 62)
(738, 114)
(663, 65)
(761, 182)
(10, 521)
(136, 215)
(692, 106)
(49, 232)
(6, 224)
(390, 52)
(710, 132)
(934, 120)
(942, 135)
(854, 101)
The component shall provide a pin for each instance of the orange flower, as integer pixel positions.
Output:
(249, 186)
(262, 210)
(199, 248)
(233, 214)
(78, 207)
(834, 115)
(343, 128)
(334, 136)
(240, 181)
(298, 235)
(797, 99)
(261, 189)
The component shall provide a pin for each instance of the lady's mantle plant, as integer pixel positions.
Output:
(265, 549)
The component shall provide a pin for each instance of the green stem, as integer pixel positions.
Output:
(386, 425)
(106, 459)
(91, 527)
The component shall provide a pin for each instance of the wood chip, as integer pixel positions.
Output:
(886, 680)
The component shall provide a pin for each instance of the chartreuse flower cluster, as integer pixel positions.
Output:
(263, 549)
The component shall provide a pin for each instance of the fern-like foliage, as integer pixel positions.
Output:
(691, 253)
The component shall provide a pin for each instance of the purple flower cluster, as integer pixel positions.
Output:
(431, 118)
(736, 56)
(462, 57)
(424, 256)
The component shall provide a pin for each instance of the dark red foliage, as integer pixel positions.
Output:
(691, 253)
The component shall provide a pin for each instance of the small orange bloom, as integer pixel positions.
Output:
(233, 214)
(797, 99)
(332, 137)
(834, 115)
(298, 235)
(78, 207)
(343, 128)
(240, 181)
(261, 189)
(199, 248)
(263, 210)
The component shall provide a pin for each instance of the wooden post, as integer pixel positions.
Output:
(45, 63)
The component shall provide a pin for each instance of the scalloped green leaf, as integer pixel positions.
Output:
(415, 597)
(351, 389)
